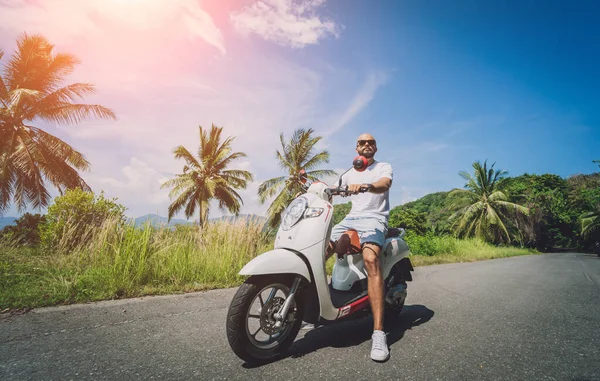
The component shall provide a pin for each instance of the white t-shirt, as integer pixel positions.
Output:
(369, 203)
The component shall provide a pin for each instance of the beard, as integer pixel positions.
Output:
(368, 154)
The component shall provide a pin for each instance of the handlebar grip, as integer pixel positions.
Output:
(343, 191)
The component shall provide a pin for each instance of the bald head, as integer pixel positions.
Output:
(366, 146)
(365, 136)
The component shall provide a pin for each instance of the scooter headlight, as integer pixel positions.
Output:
(293, 213)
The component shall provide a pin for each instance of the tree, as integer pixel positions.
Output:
(296, 154)
(486, 211)
(408, 219)
(29, 156)
(590, 223)
(25, 232)
(206, 177)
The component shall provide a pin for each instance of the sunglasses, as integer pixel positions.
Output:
(370, 141)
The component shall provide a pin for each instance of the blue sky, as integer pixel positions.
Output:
(440, 85)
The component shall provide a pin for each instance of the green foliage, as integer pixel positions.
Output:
(30, 91)
(121, 260)
(430, 244)
(207, 178)
(25, 232)
(557, 206)
(340, 211)
(590, 225)
(409, 219)
(296, 154)
(484, 210)
(74, 218)
(437, 208)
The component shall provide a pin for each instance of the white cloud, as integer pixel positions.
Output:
(63, 20)
(137, 187)
(162, 86)
(285, 22)
(362, 98)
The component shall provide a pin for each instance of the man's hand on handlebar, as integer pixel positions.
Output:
(359, 188)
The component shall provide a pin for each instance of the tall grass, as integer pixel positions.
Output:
(118, 260)
(123, 260)
(126, 259)
(431, 249)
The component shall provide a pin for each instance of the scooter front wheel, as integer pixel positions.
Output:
(254, 332)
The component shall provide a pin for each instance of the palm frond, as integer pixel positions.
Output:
(181, 152)
(590, 223)
(228, 199)
(494, 219)
(268, 188)
(320, 173)
(184, 199)
(222, 162)
(277, 206)
(497, 196)
(75, 113)
(320, 158)
(59, 98)
(512, 206)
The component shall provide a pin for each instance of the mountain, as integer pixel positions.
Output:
(241, 217)
(5, 221)
(157, 220)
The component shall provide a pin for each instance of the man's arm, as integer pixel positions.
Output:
(380, 186)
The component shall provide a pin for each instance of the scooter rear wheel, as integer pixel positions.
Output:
(252, 329)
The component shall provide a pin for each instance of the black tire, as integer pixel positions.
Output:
(241, 341)
(393, 312)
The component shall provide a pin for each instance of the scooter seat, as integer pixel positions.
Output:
(393, 232)
(348, 243)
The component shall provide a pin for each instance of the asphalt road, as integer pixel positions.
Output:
(524, 318)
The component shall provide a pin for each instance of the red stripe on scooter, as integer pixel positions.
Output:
(359, 304)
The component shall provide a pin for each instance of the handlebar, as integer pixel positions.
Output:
(343, 191)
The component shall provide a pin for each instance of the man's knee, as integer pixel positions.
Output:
(371, 257)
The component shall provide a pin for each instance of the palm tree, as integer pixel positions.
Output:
(590, 223)
(30, 91)
(296, 154)
(484, 207)
(206, 178)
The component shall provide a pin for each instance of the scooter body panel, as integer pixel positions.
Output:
(278, 261)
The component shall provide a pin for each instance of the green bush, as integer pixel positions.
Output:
(429, 244)
(75, 217)
(409, 219)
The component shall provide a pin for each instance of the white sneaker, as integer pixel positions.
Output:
(379, 349)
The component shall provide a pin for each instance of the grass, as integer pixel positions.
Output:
(124, 261)
(431, 250)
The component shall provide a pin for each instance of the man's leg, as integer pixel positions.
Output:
(375, 283)
(374, 237)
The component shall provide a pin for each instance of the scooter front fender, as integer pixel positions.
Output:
(278, 261)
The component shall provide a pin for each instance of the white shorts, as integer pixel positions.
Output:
(370, 229)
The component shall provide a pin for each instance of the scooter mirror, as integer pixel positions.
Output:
(303, 176)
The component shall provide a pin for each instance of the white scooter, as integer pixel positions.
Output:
(289, 284)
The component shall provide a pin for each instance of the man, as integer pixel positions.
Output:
(369, 217)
